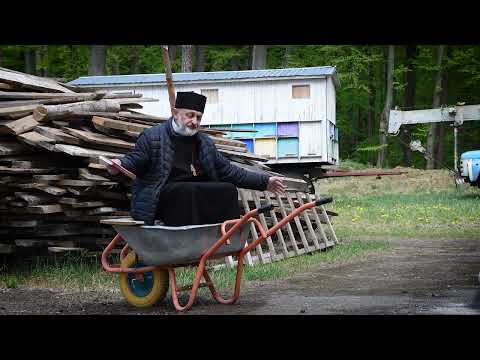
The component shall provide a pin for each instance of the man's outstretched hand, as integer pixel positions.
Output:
(276, 186)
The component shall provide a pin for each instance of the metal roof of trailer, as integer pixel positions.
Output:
(254, 75)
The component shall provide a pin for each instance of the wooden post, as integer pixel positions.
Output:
(168, 77)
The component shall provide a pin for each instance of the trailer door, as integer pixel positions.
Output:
(311, 141)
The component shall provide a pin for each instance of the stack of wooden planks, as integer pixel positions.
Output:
(54, 191)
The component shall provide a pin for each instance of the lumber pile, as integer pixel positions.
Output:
(53, 189)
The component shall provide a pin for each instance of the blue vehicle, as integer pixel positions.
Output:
(469, 167)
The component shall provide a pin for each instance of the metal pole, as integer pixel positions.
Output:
(455, 147)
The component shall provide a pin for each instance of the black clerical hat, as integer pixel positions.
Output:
(190, 100)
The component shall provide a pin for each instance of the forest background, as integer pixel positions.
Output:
(373, 78)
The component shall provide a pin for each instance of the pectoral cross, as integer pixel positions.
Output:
(194, 172)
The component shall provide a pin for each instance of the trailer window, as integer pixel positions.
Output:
(211, 94)
(300, 91)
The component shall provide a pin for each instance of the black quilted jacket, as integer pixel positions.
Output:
(151, 161)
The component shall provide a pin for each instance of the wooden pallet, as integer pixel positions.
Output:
(311, 231)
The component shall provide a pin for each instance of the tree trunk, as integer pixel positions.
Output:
(43, 56)
(187, 58)
(441, 126)
(382, 153)
(250, 56)
(49, 112)
(408, 103)
(288, 54)
(437, 92)
(116, 67)
(371, 101)
(259, 57)
(200, 58)
(97, 60)
(134, 60)
(30, 61)
(172, 51)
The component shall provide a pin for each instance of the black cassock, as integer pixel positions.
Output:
(189, 197)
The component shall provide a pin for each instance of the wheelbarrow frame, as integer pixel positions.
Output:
(234, 225)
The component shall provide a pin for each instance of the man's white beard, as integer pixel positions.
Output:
(183, 130)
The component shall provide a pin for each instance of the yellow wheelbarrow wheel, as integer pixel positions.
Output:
(152, 289)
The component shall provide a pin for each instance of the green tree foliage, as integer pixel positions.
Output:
(361, 72)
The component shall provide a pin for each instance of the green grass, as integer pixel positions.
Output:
(84, 273)
(71, 272)
(418, 205)
(422, 204)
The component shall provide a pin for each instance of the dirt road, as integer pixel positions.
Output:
(415, 277)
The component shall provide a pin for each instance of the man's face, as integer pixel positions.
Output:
(189, 119)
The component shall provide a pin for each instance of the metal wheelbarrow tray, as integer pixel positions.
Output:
(152, 253)
(166, 245)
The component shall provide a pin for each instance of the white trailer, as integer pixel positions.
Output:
(293, 110)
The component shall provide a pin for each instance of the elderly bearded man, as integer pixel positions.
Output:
(181, 178)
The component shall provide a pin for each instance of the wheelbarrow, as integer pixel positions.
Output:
(152, 253)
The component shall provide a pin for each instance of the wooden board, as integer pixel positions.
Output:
(54, 101)
(29, 243)
(85, 174)
(30, 81)
(73, 213)
(231, 148)
(30, 161)
(115, 133)
(53, 190)
(97, 166)
(73, 182)
(33, 138)
(11, 95)
(54, 112)
(57, 134)
(101, 139)
(121, 115)
(8, 170)
(253, 230)
(83, 152)
(58, 249)
(102, 210)
(32, 199)
(89, 204)
(242, 155)
(4, 86)
(49, 177)
(118, 124)
(45, 209)
(68, 201)
(122, 221)
(229, 142)
(19, 126)
(14, 148)
(17, 109)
